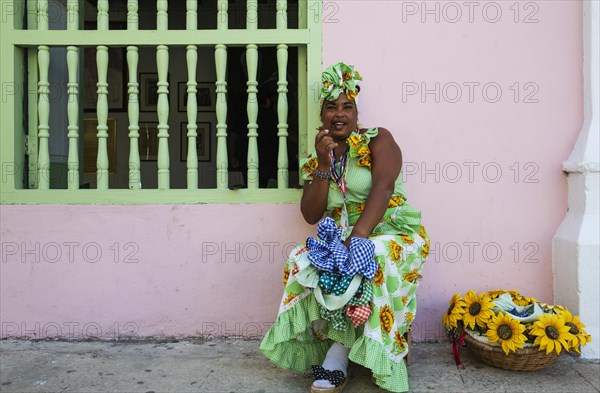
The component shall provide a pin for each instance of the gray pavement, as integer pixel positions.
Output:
(231, 365)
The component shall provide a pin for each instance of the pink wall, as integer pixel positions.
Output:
(179, 269)
(489, 229)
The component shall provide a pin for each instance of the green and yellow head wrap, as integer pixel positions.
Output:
(337, 79)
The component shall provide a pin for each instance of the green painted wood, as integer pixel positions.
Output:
(32, 119)
(282, 103)
(251, 15)
(73, 104)
(162, 108)
(191, 21)
(252, 109)
(150, 197)
(252, 90)
(153, 37)
(282, 113)
(221, 105)
(192, 104)
(102, 102)
(133, 104)
(314, 68)
(302, 86)
(10, 170)
(220, 38)
(43, 101)
(302, 105)
(19, 96)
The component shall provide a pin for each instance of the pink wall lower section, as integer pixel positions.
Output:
(148, 270)
(485, 170)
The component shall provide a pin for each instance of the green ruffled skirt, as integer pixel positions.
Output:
(300, 337)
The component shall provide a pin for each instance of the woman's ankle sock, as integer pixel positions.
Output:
(336, 359)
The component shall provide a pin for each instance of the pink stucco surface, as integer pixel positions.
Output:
(484, 169)
(173, 270)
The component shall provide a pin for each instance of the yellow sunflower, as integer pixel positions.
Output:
(409, 316)
(423, 232)
(286, 276)
(351, 94)
(479, 309)
(379, 277)
(425, 250)
(506, 331)
(455, 311)
(395, 250)
(412, 276)
(523, 300)
(400, 340)
(579, 336)
(309, 166)
(396, 201)
(386, 318)
(336, 213)
(551, 333)
(354, 140)
(407, 239)
(555, 308)
(290, 297)
(404, 300)
(497, 292)
(365, 161)
(363, 151)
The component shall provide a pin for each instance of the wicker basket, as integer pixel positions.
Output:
(524, 359)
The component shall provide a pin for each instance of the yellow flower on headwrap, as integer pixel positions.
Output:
(351, 95)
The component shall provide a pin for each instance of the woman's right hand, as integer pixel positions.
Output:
(314, 197)
(324, 144)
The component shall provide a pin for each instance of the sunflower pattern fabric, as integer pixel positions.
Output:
(301, 336)
(337, 79)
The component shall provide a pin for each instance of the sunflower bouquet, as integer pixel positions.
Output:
(505, 324)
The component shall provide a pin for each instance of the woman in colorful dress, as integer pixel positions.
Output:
(350, 293)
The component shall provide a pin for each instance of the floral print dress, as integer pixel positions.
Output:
(301, 335)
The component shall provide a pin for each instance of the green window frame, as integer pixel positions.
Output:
(22, 39)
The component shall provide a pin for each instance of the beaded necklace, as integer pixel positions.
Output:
(339, 176)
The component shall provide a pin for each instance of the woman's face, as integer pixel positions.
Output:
(340, 117)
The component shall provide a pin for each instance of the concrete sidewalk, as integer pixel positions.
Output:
(237, 366)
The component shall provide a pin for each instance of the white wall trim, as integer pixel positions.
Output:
(576, 244)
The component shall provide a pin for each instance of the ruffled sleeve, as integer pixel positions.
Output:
(370, 134)
(359, 146)
(307, 166)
